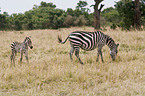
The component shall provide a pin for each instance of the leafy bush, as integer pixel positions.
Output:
(80, 21)
(113, 26)
(68, 21)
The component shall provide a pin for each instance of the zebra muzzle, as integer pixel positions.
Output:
(31, 47)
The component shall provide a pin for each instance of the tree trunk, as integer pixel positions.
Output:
(96, 17)
(97, 14)
(137, 16)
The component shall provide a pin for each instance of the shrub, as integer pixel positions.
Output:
(68, 21)
(80, 21)
(113, 26)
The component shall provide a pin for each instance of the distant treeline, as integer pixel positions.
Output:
(47, 16)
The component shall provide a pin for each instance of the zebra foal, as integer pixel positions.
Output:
(21, 48)
(89, 41)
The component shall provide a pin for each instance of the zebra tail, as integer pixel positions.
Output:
(60, 40)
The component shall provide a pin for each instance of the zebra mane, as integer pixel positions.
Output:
(110, 42)
(27, 38)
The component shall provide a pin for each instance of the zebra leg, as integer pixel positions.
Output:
(21, 57)
(71, 53)
(101, 56)
(99, 53)
(77, 55)
(13, 57)
(26, 55)
(97, 57)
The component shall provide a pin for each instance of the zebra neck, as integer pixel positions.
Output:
(26, 44)
(25, 41)
(110, 43)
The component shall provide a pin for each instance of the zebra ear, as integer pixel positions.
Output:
(29, 36)
(117, 45)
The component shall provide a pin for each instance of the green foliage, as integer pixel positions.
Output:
(47, 16)
(126, 13)
(111, 15)
(2, 21)
(44, 4)
(68, 21)
(122, 15)
(113, 26)
(142, 9)
(80, 21)
(82, 6)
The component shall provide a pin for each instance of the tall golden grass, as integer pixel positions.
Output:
(50, 71)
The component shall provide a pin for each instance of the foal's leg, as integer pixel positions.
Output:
(13, 57)
(21, 58)
(26, 55)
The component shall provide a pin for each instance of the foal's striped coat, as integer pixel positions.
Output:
(21, 48)
(89, 41)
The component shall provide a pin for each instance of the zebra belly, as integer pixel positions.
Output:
(20, 49)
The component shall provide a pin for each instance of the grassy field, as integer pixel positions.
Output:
(50, 71)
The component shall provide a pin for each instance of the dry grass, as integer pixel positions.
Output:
(50, 71)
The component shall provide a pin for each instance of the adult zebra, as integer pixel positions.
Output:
(89, 41)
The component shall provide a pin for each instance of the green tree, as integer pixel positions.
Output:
(125, 1)
(47, 16)
(127, 13)
(111, 15)
(44, 4)
(82, 6)
(2, 21)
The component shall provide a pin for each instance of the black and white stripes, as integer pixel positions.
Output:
(21, 48)
(13, 45)
(89, 41)
(83, 40)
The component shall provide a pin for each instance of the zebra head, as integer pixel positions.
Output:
(28, 42)
(114, 51)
